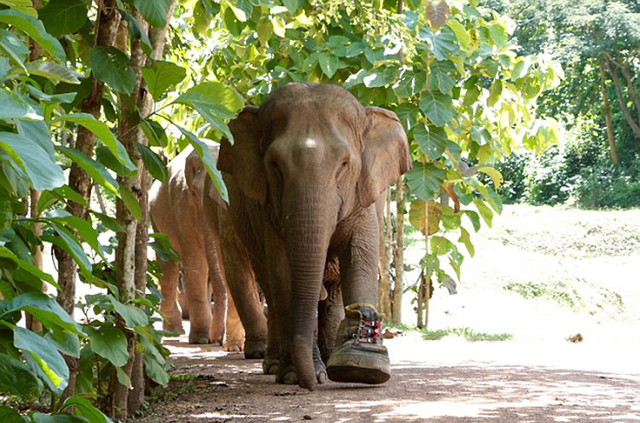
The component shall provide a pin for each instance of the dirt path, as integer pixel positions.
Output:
(434, 381)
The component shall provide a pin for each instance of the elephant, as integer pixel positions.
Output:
(304, 174)
(176, 209)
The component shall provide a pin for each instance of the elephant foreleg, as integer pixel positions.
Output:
(196, 281)
(169, 289)
(234, 341)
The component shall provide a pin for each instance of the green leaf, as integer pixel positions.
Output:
(499, 35)
(28, 267)
(42, 307)
(131, 202)
(63, 16)
(43, 171)
(155, 371)
(52, 71)
(16, 379)
(264, 30)
(328, 63)
(105, 157)
(15, 107)
(37, 131)
(432, 140)
(493, 173)
(153, 11)
(13, 47)
(83, 227)
(215, 102)
(84, 408)
(48, 359)
(102, 131)
(67, 242)
(441, 245)
(208, 160)
(51, 98)
(474, 218)
(137, 32)
(48, 198)
(153, 163)
(417, 216)
(494, 93)
(34, 28)
(440, 76)
(425, 180)
(132, 315)
(109, 222)
(291, 5)
(161, 76)
(437, 107)
(55, 418)
(461, 33)
(154, 132)
(442, 44)
(113, 67)
(93, 168)
(465, 238)
(485, 212)
(109, 343)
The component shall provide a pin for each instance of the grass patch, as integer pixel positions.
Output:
(401, 326)
(466, 333)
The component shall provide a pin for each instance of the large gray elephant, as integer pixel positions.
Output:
(177, 210)
(304, 174)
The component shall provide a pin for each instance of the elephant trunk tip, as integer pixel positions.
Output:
(303, 361)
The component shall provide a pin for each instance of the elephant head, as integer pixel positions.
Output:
(312, 156)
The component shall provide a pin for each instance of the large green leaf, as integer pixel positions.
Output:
(55, 418)
(154, 11)
(47, 357)
(215, 102)
(93, 168)
(84, 408)
(154, 132)
(161, 76)
(131, 202)
(15, 107)
(102, 131)
(432, 140)
(68, 242)
(132, 315)
(16, 379)
(441, 44)
(43, 171)
(208, 160)
(440, 76)
(84, 228)
(425, 180)
(137, 32)
(37, 131)
(53, 71)
(63, 16)
(109, 343)
(13, 47)
(34, 28)
(9, 415)
(28, 267)
(113, 67)
(328, 63)
(155, 371)
(51, 98)
(437, 107)
(153, 163)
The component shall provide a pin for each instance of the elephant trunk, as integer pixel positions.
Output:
(307, 234)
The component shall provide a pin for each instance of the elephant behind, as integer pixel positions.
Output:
(176, 209)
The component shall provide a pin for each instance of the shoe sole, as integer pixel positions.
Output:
(349, 374)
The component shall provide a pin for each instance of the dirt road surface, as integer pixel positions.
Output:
(433, 381)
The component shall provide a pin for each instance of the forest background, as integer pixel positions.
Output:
(518, 101)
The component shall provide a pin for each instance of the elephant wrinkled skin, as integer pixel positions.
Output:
(304, 173)
(177, 210)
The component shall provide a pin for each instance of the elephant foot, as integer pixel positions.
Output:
(233, 346)
(270, 366)
(287, 374)
(199, 338)
(360, 357)
(174, 328)
(255, 349)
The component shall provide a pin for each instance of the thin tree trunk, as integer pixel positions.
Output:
(107, 22)
(423, 290)
(621, 101)
(624, 69)
(32, 323)
(384, 302)
(606, 110)
(398, 286)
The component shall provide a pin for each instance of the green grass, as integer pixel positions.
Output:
(466, 333)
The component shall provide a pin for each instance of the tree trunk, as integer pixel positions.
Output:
(384, 290)
(107, 23)
(33, 324)
(621, 101)
(606, 110)
(398, 286)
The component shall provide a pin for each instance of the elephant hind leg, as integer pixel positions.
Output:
(234, 341)
(219, 308)
(196, 282)
(169, 290)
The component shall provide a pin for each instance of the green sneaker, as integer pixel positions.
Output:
(361, 357)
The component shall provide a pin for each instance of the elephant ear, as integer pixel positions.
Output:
(385, 156)
(242, 159)
(193, 171)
